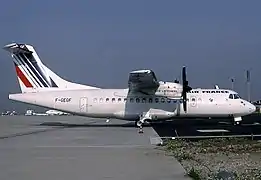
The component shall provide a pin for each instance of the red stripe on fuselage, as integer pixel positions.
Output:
(22, 77)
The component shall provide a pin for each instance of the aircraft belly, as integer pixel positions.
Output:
(207, 110)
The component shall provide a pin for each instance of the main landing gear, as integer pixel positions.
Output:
(143, 118)
(139, 124)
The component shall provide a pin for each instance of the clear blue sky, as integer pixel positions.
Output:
(100, 42)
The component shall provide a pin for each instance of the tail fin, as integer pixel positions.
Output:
(33, 75)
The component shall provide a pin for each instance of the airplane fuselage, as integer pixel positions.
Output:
(146, 99)
(118, 103)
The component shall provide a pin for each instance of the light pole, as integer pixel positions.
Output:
(232, 83)
(248, 84)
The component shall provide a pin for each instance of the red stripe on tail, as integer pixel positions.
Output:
(22, 77)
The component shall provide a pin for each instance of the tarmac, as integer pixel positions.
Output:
(71, 147)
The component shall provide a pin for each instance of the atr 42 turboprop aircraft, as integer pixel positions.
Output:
(145, 99)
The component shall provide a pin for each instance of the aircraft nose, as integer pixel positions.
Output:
(248, 107)
(252, 108)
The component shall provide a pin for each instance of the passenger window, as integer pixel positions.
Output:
(143, 100)
(162, 100)
(131, 100)
(101, 100)
(156, 100)
(113, 99)
(230, 96)
(169, 100)
(213, 91)
(193, 99)
(174, 101)
(95, 100)
(119, 99)
(107, 99)
(137, 100)
(125, 99)
(150, 100)
(222, 91)
(218, 91)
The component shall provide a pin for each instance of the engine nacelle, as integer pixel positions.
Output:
(169, 89)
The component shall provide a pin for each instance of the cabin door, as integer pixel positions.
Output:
(83, 104)
(193, 101)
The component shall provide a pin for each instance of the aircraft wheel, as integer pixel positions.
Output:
(137, 124)
(237, 123)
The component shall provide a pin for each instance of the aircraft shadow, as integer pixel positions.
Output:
(71, 125)
(157, 124)
(251, 125)
(182, 127)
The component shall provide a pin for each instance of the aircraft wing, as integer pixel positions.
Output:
(143, 81)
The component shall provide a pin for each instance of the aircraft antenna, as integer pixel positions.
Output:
(177, 80)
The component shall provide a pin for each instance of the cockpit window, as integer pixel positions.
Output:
(234, 96)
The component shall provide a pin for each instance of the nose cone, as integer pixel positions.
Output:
(251, 107)
(246, 108)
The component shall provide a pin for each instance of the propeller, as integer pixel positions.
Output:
(186, 88)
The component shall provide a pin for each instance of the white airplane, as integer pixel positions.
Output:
(30, 112)
(53, 112)
(145, 99)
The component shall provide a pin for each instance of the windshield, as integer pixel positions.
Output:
(234, 96)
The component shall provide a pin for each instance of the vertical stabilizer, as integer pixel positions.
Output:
(33, 75)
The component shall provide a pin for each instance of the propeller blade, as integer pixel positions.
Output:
(185, 102)
(184, 77)
(186, 88)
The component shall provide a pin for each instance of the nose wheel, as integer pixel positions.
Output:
(237, 120)
(237, 123)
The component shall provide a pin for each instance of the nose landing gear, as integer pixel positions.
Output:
(237, 120)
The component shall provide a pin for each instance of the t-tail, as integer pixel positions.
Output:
(33, 75)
